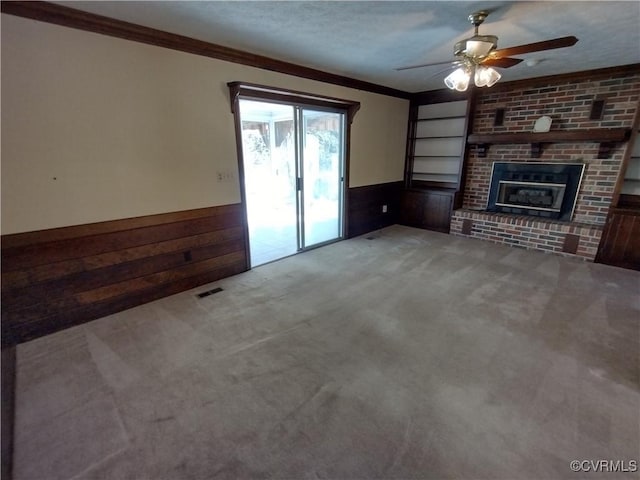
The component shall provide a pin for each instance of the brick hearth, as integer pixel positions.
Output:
(568, 103)
(527, 232)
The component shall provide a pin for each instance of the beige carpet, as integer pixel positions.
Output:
(400, 354)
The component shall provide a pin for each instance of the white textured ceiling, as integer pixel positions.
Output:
(368, 40)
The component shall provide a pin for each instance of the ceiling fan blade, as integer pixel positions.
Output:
(450, 67)
(424, 65)
(534, 47)
(505, 62)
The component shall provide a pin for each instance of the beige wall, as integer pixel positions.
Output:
(96, 128)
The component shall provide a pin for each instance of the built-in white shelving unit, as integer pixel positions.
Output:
(438, 141)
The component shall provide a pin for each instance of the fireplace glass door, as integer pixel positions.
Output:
(547, 190)
(533, 195)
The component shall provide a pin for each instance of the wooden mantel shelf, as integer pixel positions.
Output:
(604, 136)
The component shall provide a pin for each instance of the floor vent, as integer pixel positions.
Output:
(209, 292)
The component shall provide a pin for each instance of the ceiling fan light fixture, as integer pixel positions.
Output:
(458, 79)
(486, 76)
(477, 54)
(478, 46)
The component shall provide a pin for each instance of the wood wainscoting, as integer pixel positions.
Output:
(365, 207)
(54, 279)
(430, 209)
(8, 409)
(620, 244)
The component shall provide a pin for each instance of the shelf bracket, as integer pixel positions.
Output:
(482, 149)
(536, 149)
(604, 151)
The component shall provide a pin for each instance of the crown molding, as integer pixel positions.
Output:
(73, 18)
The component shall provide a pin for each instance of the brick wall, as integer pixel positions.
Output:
(519, 231)
(568, 103)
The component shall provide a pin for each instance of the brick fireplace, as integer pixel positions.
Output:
(544, 190)
(569, 103)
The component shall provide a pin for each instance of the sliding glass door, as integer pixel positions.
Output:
(321, 166)
(269, 161)
(293, 163)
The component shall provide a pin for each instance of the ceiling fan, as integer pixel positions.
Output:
(478, 54)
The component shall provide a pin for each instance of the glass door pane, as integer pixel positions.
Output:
(269, 163)
(321, 166)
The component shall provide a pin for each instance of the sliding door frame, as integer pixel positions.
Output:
(250, 91)
(301, 169)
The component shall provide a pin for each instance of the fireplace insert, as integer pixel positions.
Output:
(546, 190)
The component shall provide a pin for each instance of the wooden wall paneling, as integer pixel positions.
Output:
(119, 270)
(428, 209)
(8, 409)
(437, 211)
(57, 278)
(629, 201)
(411, 210)
(620, 244)
(61, 294)
(365, 207)
(59, 320)
(437, 96)
(75, 231)
(45, 272)
(46, 252)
